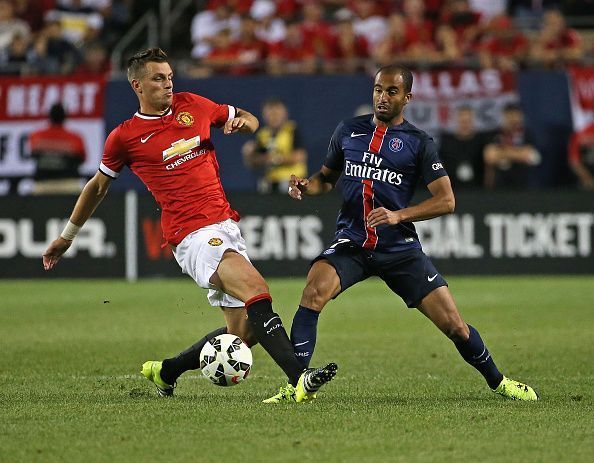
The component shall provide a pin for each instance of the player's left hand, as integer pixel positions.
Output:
(234, 125)
(54, 252)
(382, 216)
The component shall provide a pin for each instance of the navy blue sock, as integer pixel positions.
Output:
(303, 334)
(476, 354)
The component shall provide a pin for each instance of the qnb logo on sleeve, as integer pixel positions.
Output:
(183, 149)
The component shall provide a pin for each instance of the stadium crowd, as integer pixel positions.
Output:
(241, 37)
(244, 37)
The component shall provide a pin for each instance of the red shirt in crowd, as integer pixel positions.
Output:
(57, 151)
(512, 46)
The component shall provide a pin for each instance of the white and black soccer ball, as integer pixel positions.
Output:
(226, 360)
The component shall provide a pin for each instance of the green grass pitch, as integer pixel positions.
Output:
(71, 389)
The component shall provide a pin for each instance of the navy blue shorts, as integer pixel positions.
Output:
(410, 273)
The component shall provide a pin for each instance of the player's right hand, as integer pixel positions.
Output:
(54, 252)
(297, 186)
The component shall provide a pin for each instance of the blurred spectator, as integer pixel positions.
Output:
(58, 153)
(462, 150)
(347, 51)
(15, 57)
(251, 51)
(368, 23)
(511, 157)
(33, 11)
(238, 57)
(419, 29)
(556, 44)
(207, 24)
(271, 29)
(95, 61)
(446, 45)
(52, 54)
(316, 31)
(116, 18)
(223, 55)
(277, 152)
(394, 46)
(581, 156)
(10, 26)
(504, 47)
(465, 22)
(292, 55)
(80, 23)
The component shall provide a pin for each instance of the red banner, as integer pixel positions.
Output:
(581, 85)
(24, 107)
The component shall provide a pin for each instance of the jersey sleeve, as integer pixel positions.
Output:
(335, 156)
(113, 155)
(218, 114)
(431, 166)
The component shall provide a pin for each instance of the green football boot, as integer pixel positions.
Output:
(151, 370)
(515, 390)
(285, 394)
(312, 380)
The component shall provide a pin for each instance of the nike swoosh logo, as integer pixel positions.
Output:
(268, 322)
(430, 279)
(353, 134)
(300, 343)
(144, 140)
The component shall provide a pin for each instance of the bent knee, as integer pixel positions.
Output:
(315, 298)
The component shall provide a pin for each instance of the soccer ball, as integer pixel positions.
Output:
(226, 360)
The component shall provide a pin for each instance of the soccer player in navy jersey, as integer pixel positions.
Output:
(167, 144)
(381, 157)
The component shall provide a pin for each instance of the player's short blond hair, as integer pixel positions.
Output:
(137, 63)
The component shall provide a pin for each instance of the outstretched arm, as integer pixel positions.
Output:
(243, 122)
(91, 196)
(321, 182)
(442, 202)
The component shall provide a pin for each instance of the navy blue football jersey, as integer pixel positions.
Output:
(381, 167)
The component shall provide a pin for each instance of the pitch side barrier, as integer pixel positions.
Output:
(545, 232)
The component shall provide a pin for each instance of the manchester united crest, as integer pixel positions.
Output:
(215, 241)
(185, 118)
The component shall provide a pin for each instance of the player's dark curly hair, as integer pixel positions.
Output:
(137, 62)
(407, 76)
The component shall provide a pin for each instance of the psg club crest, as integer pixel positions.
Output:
(185, 118)
(395, 144)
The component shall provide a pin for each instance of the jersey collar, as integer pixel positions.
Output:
(152, 116)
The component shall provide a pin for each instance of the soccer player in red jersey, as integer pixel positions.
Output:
(167, 144)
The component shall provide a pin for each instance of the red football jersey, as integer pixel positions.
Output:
(175, 158)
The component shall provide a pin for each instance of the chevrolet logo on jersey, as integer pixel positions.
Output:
(181, 147)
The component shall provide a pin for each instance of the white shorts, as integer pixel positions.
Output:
(200, 252)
